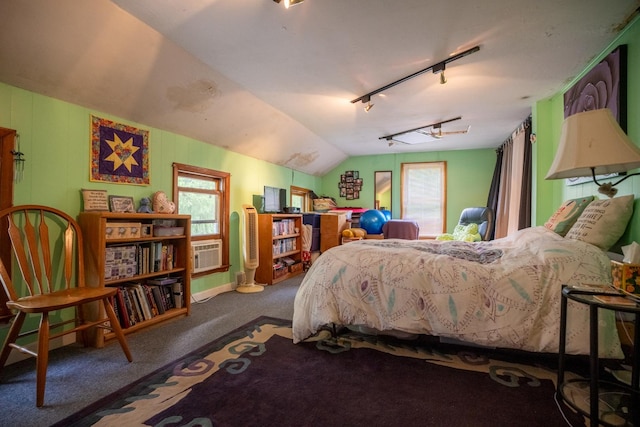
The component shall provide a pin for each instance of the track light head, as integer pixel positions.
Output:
(289, 3)
(439, 69)
(369, 105)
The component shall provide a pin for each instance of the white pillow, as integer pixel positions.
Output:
(603, 222)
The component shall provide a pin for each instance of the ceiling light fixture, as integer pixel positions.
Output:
(439, 65)
(435, 134)
(593, 143)
(439, 69)
(289, 3)
(369, 104)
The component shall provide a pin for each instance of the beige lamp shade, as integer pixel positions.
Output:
(590, 142)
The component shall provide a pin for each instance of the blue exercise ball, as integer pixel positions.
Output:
(372, 221)
(386, 213)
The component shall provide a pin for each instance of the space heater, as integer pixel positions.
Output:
(250, 251)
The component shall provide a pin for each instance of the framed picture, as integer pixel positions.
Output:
(119, 153)
(350, 185)
(121, 204)
(604, 86)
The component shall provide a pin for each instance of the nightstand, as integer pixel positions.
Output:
(604, 402)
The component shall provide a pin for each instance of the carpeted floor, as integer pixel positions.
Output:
(78, 376)
(255, 376)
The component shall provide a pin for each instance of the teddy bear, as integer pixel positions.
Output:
(145, 205)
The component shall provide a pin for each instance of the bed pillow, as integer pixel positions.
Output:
(567, 214)
(603, 222)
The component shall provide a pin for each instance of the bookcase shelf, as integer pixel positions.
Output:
(170, 257)
(280, 240)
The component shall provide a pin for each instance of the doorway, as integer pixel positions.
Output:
(7, 145)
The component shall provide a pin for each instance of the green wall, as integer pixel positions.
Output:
(469, 174)
(547, 124)
(55, 140)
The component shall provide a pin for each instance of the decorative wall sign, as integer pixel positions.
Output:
(94, 200)
(350, 185)
(604, 86)
(119, 153)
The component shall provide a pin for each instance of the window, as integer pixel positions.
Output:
(203, 194)
(301, 198)
(424, 196)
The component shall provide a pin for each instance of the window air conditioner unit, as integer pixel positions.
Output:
(206, 255)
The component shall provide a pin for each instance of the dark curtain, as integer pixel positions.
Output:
(524, 220)
(524, 211)
(494, 190)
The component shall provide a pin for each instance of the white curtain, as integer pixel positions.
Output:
(511, 180)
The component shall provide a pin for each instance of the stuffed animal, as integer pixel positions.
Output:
(464, 233)
(145, 205)
(161, 204)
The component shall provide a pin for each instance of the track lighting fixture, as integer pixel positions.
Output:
(289, 3)
(439, 69)
(440, 64)
(369, 104)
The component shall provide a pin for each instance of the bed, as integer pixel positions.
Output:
(503, 293)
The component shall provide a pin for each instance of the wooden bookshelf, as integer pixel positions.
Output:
(96, 226)
(280, 238)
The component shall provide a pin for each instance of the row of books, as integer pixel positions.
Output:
(156, 256)
(285, 226)
(139, 302)
(126, 261)
(284, 245)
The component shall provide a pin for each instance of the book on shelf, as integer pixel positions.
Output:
(158, 298)
(146, 289)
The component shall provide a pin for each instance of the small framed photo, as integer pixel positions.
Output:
(121, 204)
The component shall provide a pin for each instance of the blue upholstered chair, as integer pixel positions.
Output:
(483, 216)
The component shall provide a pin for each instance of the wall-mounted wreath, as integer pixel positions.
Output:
(350, 185)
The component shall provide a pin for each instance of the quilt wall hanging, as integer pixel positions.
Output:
(119, 153)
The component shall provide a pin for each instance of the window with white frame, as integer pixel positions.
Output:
(424, 192)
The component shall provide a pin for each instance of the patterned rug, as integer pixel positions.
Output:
(256, 376)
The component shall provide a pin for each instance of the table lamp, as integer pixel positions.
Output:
(592, 143)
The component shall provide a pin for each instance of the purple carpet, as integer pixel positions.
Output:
(256, 376)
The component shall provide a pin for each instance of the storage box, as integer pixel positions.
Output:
(168, 231)
(626, 276)
(122, 230)
(279, 272)
(295, 267)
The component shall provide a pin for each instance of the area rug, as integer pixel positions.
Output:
(256, 376)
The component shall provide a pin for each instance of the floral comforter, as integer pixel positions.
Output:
(503, 293)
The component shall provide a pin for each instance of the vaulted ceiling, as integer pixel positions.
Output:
(277, 84)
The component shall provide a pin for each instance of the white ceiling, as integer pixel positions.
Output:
(276, 84)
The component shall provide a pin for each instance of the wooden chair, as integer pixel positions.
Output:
(50, 257)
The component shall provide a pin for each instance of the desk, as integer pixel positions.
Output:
(623, 395)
